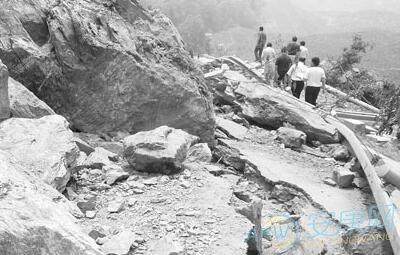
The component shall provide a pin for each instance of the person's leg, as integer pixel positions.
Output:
(299, 88)
(315, 95)
(308, 96)
(312, 95)
(293, 88)
(256, 53)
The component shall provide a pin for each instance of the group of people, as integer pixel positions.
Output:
(289, 69)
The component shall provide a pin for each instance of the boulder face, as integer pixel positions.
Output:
(44, 147)
(161, 150)
(24, 104)
(271, 108)
(35, 217)
(105, 65)
(4, 101)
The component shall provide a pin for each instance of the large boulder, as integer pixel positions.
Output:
(160, 150)
(271, 108)
(35, 218)
(4, 101)
(24, 104)
(43, 147)
(106, 65)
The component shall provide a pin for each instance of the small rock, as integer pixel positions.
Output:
(85, 206)
(341, 153)
(114, 174)
(158, 200)
(96, 172)
(119, 244)
(291, 138)
(90, 214)
(132, 201)
(199, 153)
(83, 146)
(138, 191)
(71, 193)
(101, 240)
(95, 234)
(167, 246)
(99, 158)
(330, 182)
(116, 206)
(185, 184)
(150, 181)
(353, 165)
(136, 185)
(360, 182)
(343, 177)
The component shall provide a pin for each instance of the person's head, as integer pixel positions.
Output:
(269, 44)
(303, 43)
(303, 60)
(284, 50)
(294, 38)
(261, 29)
(315, 61)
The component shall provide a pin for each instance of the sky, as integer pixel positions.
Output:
(350, 5)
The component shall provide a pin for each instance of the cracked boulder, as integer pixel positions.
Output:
(162, 150)
(106, 65)
(24, 104)
(270, 108)
(43, 147)
(35, 218)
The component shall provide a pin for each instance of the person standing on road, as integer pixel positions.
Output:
(293, 49)
(316, 79)
(261, 41)
(268, 58)
(303, 51)
(297, 74)
(283, 63)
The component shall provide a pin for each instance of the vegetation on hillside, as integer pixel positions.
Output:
(364, 85)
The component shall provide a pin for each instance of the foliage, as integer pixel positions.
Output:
(364, 85)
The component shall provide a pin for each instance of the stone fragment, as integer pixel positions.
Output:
(119, 244)
(90, 214)
(330, 182)
(343, 177)
(231, 129)
(161, 150)
(114, 173)
(199, 153)
(100, 158)
(116, 205)
(291, 138)
(83, 146)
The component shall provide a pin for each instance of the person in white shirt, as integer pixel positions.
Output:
(297, 74)
(268, 58)
(316, 79)
(303, 50)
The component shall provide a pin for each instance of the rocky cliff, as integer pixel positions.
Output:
(105, 65)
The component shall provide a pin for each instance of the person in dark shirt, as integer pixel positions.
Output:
(261, 41)
(293, 48)
(283, 64)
